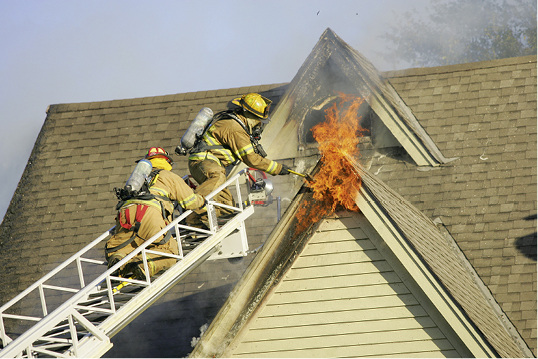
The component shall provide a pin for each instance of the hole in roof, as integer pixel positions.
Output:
(377, 133)
(376, 141)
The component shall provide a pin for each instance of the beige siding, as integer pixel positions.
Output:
(341, 298)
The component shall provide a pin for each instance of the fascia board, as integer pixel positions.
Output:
(422, 275)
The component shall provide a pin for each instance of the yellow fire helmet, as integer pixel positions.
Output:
(254, 103)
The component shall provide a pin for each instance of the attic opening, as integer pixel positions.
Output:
(377, 134)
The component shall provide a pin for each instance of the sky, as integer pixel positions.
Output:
(68, 51)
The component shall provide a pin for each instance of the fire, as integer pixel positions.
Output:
(336, 183)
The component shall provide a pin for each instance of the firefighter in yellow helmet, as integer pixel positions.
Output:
(232, 137)
(142, 215)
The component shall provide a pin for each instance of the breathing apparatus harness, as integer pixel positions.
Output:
(125, 195)
(255, 136)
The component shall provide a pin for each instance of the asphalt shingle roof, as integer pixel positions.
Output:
(444, 260)
(65, 199)
(483, 113)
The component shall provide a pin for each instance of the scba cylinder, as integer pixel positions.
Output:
(139, 175)
(195, 130)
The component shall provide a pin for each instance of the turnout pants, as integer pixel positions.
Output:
(210, 175)
(151, 223)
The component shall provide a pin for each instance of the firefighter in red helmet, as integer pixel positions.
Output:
(141, 217)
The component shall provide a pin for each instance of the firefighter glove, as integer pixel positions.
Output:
(285, 170)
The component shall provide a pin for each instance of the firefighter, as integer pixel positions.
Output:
(233, 137)
(142, 216)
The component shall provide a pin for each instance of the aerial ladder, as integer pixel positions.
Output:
(99, 304)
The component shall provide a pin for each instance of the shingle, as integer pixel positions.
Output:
(509, 180)
(460, 106)
(86, 150)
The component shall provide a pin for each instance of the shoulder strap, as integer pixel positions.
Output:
(153, 176)
(233, 116)
(256, 146)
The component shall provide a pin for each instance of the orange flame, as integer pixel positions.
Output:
(336, 183)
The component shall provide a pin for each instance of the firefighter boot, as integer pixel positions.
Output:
(113, 259)
(138, 270)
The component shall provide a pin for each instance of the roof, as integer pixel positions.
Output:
(302, 285)
(65, 199)
(391, 163)
(483, 114)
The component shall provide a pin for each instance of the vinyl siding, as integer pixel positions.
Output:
(341, 298)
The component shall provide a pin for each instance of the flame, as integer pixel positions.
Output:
(336, 182)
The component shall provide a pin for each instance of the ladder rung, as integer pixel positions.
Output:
(49, 352)
(164, 254)
(50, 340)
(61, 328)
(22, 317)
(95, 309)
(94, 261)
(195, 229)
(128, 280)
(95, 317)
(64, 289)
(61, 333)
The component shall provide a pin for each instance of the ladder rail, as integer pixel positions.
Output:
(66, 311)
(173, 275)
(53, 272)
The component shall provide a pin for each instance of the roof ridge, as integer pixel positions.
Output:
(192, 95)
(418, 71)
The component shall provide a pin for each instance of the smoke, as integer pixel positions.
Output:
(195, 340)
(171, 326)
(448, 32)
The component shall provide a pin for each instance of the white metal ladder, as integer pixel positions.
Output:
(99, 307)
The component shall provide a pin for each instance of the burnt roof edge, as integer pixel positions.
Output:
(270, 264)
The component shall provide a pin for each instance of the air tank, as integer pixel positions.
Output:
(139, 175)
(195, 130)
